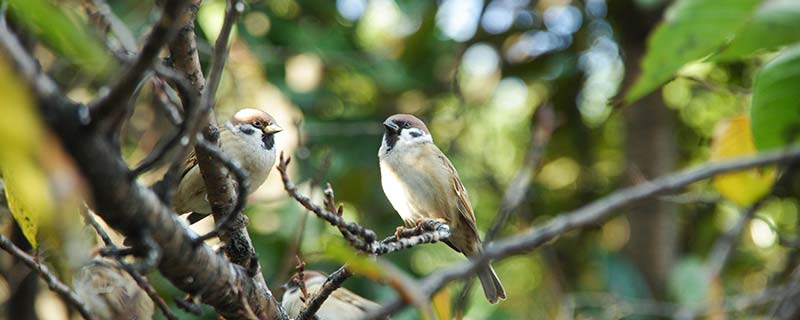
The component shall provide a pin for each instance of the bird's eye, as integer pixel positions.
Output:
(258, 124)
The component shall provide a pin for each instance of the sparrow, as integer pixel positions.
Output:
(342, 304)
(421, 183)
(110, 292)
(248, 138)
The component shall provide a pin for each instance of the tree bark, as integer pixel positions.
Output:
(651, 151)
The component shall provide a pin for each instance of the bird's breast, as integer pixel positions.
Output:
(413, 189)
(252, 157)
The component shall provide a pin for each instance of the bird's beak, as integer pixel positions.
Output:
(391, 126)
(273, 128)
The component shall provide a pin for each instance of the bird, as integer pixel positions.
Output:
(248, 138)
(109, 292)
(422, 184)
(342, 304)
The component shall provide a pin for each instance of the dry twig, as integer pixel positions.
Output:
(52, 281)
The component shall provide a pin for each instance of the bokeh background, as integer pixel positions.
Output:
(476, 72)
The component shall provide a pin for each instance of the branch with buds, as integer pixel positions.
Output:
(361, 238)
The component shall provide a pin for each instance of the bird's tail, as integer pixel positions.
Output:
(492, 287)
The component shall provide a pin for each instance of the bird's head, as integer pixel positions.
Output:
(257, 124)
(404, 129)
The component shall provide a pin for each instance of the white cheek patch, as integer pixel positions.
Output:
(414, 135)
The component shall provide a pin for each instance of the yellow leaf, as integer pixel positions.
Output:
(27, 187)
(733, 138)
(441, 304)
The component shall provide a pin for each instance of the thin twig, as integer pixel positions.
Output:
(294, 246)
(131, 208)
(123, 89)
(232, 13)
(334, 281)
(52, 281)
(186, 128)
(361, 238)
(544, 123)
(515, 194)
(300, 279)
(118, 29)
(138, 277)
(588, 215)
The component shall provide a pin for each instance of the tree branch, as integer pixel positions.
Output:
(52, 281)
(123, 89)
(361, 238)
(543, 124)
(134, 209)
(138, 277)
(334, 281)
(586, 216)
(219, 187)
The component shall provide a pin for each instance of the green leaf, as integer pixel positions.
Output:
(63, 34)
(775, 112)
(775, 24)
(691, 30)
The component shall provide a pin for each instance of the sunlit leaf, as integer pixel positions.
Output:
(775, 24)
(691, 30)
(63, 34)
(441, 304)
(775, 111)
(27, 188)
(733, 138)
(210, 17)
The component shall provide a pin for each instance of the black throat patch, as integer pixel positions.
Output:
(390, 139)
(269, 141)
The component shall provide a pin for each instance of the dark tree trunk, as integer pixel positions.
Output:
(651, 151)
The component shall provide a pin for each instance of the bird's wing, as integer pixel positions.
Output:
(463, 204)
(191, 161)
(355, 300)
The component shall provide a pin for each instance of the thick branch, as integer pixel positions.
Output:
(52, 281)
(134, 210)
(586, 216)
